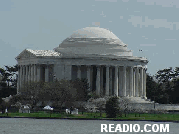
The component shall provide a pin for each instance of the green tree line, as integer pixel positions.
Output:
(164, 86)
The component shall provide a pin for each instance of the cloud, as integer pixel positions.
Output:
(121, 17)
(157, 23)
(147, 44)
(163, 3)
(110, 21)
(107, 0)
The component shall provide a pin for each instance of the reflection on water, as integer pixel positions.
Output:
(62, 126)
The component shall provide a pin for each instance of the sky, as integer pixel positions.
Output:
(148, 25)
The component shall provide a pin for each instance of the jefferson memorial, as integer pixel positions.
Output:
(93, 53)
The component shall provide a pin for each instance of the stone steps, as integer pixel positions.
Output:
(137, 100)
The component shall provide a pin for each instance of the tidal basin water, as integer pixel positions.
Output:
(64, 126)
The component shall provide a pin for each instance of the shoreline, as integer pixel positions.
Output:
(67, 118)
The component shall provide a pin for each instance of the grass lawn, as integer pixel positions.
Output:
(85, 115)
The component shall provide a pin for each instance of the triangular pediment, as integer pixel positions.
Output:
(25, 54)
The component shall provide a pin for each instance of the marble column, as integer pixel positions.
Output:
(131, 81)
(35, 72)
(18, 86)
(32, 72)
(47, 73)
(107, 81)
(120, 92)
(89, 76)
(29, 74)
(63, 71)
(26, 73)
(116, 81)
(124, 80)
(98, 81)
(21, 77)
(136, 82)
(79, 72)
(68, 72)
(18, 81)
(141, 82)
(110, 80)
(144, 84)
(38, 73)
(101, 80)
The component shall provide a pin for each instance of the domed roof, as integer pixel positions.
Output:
(93, 32)
(93, 41)
(93, 35)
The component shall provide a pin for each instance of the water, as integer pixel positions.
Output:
(62, 126)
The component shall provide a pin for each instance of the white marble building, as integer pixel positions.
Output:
(93, 53)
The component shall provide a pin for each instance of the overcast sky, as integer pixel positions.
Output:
(148, 25)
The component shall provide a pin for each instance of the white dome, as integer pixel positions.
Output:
(92, 35)
(93, 40)
(93, 32)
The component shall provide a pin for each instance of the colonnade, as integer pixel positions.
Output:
(109, 80)
(119, 80)
(33, 73)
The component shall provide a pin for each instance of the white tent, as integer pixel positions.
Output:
(47, 108)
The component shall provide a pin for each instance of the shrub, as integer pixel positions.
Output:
(112, 107)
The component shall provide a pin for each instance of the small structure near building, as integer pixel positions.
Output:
(6, 111)
(67, 111)
(48, 108)
(24, 109)
(72, 111)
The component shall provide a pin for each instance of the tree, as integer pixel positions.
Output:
(165, 79)
(10, 75)
(82, 87)
(124, 106)
(30, 93)
(153, 89)
(59, 92)
(165, 88)
(64, 92)
(9, 80)
(175, 91)
(99, 103)
(112, 107)
(2, 105)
